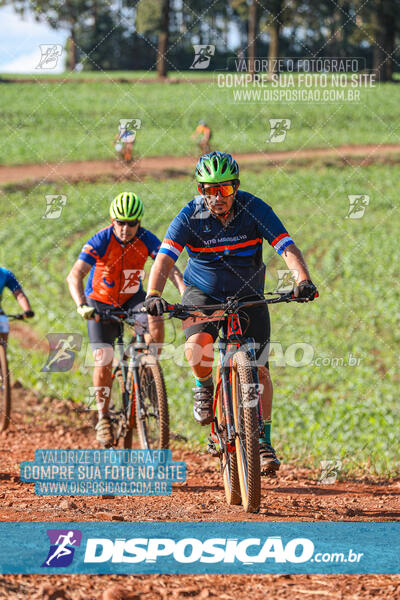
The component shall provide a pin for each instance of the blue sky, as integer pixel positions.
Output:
(19, 43)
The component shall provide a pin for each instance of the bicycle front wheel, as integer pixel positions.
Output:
(5, 390)
(228, 457)
(247, 431)
(152, 417)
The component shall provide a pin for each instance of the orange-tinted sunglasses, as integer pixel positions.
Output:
(224, 190)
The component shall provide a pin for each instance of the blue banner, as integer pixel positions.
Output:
(144, 548)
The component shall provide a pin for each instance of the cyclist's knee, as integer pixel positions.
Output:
(199, 349)
(103, 356)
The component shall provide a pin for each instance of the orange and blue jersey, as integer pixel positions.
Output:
(203, 130)
(117, 267)
(8, 280)
(225, 261)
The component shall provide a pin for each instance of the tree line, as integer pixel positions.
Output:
(159, 34)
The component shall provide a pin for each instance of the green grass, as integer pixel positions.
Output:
(78, 121)
(320, 412)
(103, 75)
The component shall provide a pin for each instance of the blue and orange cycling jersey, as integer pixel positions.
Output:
(8, 280)
(225, 260)
(117, 268)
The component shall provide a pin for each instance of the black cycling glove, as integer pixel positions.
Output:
(155, 305)
(306, 289)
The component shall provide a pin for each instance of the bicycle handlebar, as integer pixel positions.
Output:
(183, 311)
(116, 314)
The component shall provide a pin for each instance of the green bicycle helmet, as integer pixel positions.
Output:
(127, 206)
(216, 167)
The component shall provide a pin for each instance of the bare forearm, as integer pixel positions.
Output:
(75, 285)
(160, 272)
(295, 261)
(23, 301)
(177, 279)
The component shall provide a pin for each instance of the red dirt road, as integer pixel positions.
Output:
(294, 496)
(161, 166)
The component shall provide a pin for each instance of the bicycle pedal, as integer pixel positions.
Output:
(212, 449)
(269, 471)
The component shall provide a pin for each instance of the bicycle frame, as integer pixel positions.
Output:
(127, 363)
(232, 340)
(227, 345)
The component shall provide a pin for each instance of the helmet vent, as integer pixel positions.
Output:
(215, 163)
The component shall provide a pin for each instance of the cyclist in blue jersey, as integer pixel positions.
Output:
(223, 230)
(8, 280)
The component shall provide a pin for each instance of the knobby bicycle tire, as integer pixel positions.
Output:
(247, 438)
(153, 426)
(228, 459)
(5, 390)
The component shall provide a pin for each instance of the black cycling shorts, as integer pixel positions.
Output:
(254, 321)
(105, 332)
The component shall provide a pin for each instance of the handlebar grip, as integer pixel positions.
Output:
(292, 296)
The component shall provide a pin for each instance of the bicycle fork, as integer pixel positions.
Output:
(225, 383)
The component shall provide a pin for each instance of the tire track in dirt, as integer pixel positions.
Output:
(170, 166)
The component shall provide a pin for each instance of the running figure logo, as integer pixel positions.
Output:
(61, 551)
(357, 205)
(251, 394)
(278, 129)
(132, 281)
(127, 129)
(54, 206)
(202, 56)
(286, 280)
(97, 394)
(62, 351)
(329, 471)
(50, 54)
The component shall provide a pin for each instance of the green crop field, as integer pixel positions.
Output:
(78, 121)
(335, 399)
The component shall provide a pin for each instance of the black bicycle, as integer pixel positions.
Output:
(5, 384)
(140, 400)
(237, 424)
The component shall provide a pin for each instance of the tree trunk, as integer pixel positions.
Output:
(95, 14)
(274, 36)
(385, 31)
(389, 35)
(162, 68)
(273, 50)
(253, 33)
(71, 51)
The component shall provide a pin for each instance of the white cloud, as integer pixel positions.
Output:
(27, 63)
(20, 40)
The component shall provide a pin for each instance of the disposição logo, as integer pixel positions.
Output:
(62, 547)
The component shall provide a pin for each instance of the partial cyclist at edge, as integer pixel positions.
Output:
(8, 280)
(223, 230)
(114, 258)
